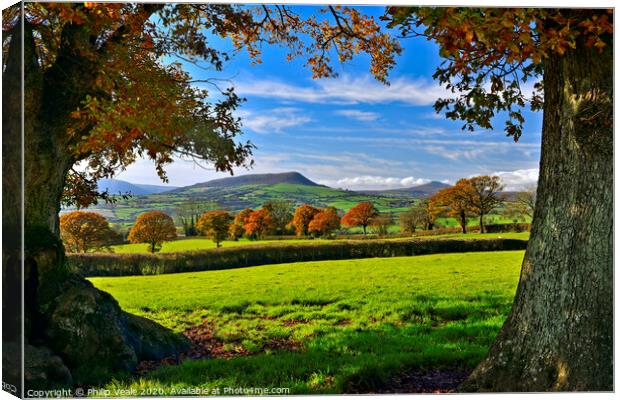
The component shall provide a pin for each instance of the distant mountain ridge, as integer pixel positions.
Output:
(116, 186)
(294, 178)
(424, 190)
(251, 191)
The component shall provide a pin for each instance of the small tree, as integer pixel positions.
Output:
(484, 196)
(418, 215)
(525, 201)
(304, 214)
(154, 228)
(454, 201)
(215, 225)
(258, 224)
(236, 230)
(360, 215)
(82, 231)
(381, 223)
(282, 213)
(324, 222)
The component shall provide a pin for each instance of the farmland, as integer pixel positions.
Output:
(325, 327)
(196, 244)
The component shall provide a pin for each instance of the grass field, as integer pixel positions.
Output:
(325, 327)
(203, 243)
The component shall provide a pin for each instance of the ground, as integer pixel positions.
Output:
(326, 327)
(202, 243)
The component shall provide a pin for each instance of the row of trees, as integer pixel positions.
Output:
(468, 198)
(478, 196)
(82, 231)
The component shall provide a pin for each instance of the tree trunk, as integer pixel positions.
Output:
(559, 334)
(481, 223)
(73, 333)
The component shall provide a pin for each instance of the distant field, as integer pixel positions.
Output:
(326, 327)
(201, 244)
(196, 244)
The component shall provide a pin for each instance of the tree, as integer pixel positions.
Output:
(154, 228)
(417, 215)
(95, 75)
(559, 333)
(82, 231)
(381, 223)
(189, 211)
(484, 195)
(258, 224)
(304, 214)
(324, 222)
(236, 229)
(360, 215)
(282, 213)
(525, 201)
(455, 202)
(214, 224)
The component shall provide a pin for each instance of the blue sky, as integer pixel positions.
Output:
(355, 132)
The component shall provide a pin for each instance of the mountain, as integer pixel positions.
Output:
(116, 186)
(293, 178)
(246, 191)
(424, 190)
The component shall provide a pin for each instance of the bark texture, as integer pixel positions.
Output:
(559, 334)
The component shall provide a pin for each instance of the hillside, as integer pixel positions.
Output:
(293, 178)
(237, 193)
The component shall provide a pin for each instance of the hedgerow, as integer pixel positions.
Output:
(109, 264)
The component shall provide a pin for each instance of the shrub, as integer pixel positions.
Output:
(103, 264)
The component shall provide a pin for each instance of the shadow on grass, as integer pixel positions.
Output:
(346, 361)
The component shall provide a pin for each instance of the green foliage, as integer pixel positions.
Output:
(354, 323)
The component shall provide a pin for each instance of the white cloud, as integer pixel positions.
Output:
(369, 182)
(518, 179)
(274, 120)
(364, 116)
(348, 90)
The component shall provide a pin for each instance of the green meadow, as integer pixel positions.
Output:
(202, 243)
(325, 327)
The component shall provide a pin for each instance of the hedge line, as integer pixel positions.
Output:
(107, 264)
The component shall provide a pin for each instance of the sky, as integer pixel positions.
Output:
(354, 132)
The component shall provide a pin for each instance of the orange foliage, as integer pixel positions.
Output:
(455, 202)
(214, 224)
(302, 218)
(154, 228)
(360, 215)
(258, 224)
(81, 231)
(324, 222)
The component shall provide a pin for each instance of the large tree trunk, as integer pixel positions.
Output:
(559, 334)
(73, 333)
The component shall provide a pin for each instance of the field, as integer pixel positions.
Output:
(325, 327)
(202, 243)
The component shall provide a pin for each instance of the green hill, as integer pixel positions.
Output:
(247, 191)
